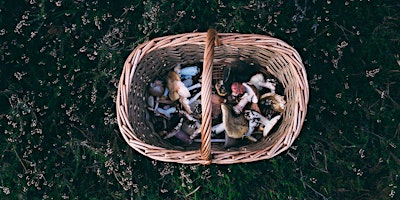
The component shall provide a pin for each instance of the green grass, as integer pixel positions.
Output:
(60, 66)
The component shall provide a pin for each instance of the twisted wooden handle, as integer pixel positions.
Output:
(206, 92)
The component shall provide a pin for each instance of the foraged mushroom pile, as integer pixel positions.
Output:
(245, 105)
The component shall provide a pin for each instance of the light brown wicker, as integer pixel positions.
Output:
(160, 55)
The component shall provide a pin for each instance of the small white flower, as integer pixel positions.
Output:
(6, 190)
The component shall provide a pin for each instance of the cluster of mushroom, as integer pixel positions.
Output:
(244, 102)
(174, 106)
(250, 105)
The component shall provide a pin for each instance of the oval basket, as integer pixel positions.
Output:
(216, 51)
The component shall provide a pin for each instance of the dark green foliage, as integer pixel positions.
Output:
(60, 66)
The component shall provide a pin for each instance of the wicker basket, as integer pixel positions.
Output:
(160, 55)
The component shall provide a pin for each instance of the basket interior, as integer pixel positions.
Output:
(159, 61)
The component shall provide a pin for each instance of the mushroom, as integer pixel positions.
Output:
(256, 117)
(249, 96)
(259, 82)
(177, 90)
(252, 126)
(235, 126)
(191, 126)
(150, 102)
(220, 88)
(178, 133)
(185, 104)
(217, 129)
(157, 90)
(212, 140)
(187, 72)
(165, 112)
(188, 82)
(182, 136)
(175, 130)
(195, 107)
(237, 89)
(173, 80)
(276, 101)
(239, 71)
(195, 86)
(194, 98)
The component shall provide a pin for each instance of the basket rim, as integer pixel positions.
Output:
(194, 156)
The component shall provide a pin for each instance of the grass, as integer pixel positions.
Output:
(60, 65)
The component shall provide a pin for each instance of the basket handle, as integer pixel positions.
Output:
(206, 89)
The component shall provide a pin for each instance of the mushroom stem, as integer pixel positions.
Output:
(195, 86)
(255, 119)
(156, 106)
(246, 98)
(252, 127)
(194, 98)
(217, 129)
(185, 103)
(268, 124)
(212, 140)
(249, 96)
(190, 118)
(187, 115)
(189, 72)
(166, 91)
(196, 133)
(175, 130)
(166, 112)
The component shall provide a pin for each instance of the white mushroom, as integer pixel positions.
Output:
(166, 112)
(175, 130)
(217, 129)
(269, 124)
(188, 82)
(256, 117)
(187, 72)
(259, 82)
(195, 86)
(195, 134)
(249, 96)
(185, 104)
(194, 98)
